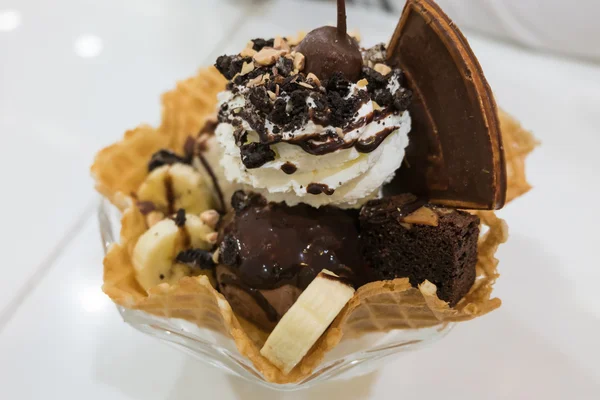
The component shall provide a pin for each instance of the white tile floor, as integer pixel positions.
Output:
(60, 337)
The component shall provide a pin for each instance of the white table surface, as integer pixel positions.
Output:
(74, 74)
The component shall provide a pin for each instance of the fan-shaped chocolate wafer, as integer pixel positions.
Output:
(455, 155)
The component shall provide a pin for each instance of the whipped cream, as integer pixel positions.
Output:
(349, 177)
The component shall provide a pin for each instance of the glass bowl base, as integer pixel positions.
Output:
(352, 357)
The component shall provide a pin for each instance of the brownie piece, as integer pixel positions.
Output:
(402, 236)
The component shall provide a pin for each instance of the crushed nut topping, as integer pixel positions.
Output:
(268, 56)
(299, 61)
(382, 69)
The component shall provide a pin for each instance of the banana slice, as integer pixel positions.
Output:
(306, 320)
(176, 186)
(155, 251)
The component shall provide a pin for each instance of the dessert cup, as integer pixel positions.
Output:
(383, 317)
(353, 357)
(398, 315)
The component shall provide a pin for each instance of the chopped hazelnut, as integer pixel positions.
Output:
(422, 216)
(382, 69)
(299, 61)
(362, 83)
(443, 211)
(215, 256)
(247, 68)
(248, 52)
(210, 218)
(255, 81)
(312, 77)
(306, 85)
(355, 34)
(376, 106)
(272, 95)
(280, 44)
(268, 56)
(293, 41)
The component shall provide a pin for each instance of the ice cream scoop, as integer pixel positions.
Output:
(271, 252)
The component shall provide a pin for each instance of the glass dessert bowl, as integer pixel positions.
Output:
(270, 239)
(352, 357)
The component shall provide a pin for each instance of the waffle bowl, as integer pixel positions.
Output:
(207, 340)
(383, 317)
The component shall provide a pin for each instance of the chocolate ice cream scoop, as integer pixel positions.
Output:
(270, 252)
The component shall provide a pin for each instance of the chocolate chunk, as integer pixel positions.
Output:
(241, 200)
(229, 66)
(403, 99)
(318, 188)
(383, 97)
(298, 102)
(243, 79)
(338, 83)
(445, 254)
(279, 115)
(260, 99)
(165, 157)
(256, 154)
(376, 80)
(455, 155)
(229, 251)
(289, 168)
(196, 258)
(258, 44)
(342, 110)
(290, 84)
(180, 218)
(255, 120)
(285, 66)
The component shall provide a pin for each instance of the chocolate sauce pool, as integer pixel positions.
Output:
(273, 245)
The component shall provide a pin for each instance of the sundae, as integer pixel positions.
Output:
(308, 189)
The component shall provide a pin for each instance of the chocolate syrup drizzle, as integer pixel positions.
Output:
(170, 194)
(215, 182)
(191, 149)
(328, 142)
(278, 245)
